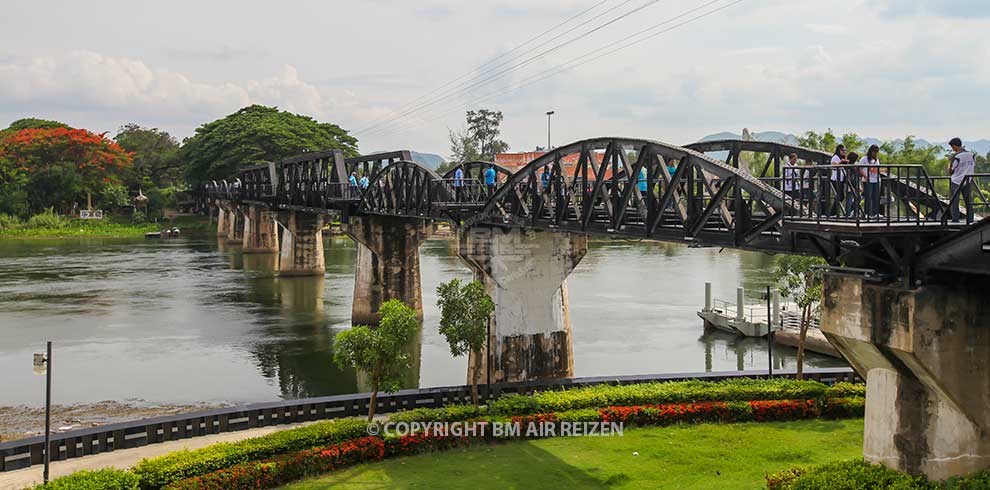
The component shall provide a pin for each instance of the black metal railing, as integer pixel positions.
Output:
(114, 437)
(886, 195)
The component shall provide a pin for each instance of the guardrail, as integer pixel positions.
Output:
(113, 437)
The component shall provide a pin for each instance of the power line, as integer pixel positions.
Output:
(561, 68)
(489, 62)
(461, 88)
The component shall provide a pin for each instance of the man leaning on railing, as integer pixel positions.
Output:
(962, 165)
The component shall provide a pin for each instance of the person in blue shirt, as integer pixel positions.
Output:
(490, 180)
(353, 179)
(363, 182)
(458, 183)
(545, 176)
(642, 180)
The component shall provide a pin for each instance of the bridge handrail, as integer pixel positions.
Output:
(124, 435)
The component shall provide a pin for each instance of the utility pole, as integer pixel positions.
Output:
(549, 113)
(43, 365)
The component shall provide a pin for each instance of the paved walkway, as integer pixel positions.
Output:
(125, 458)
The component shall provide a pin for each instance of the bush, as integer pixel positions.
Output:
(678, 392)
(48, 219)
(859, 475)
(844, 408)
(159, 472)
(450, 413)
(580, 415)
(8, 222)
(846, 390)
(283, 469)
(516, 405)
(105, 479)
(784, 480)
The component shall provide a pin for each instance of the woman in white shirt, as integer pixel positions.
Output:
(838, 178)
(871, 181)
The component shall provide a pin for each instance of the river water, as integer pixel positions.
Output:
(192, 321)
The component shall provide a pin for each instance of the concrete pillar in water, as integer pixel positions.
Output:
(301, 247)
(235, 225)
(387, 264)
(260, 230)
(925, 354)
(221, 221)
(525, 273)
(708, 296)
(740, 304)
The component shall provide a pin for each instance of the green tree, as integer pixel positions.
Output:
(483, 129)
(254, 135)
(800, 277)
(463, 148)
(823, 142)
(156, 156)
(464, 315)
(378, 351)
(33, 123)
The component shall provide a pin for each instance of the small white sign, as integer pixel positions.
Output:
(91, 214)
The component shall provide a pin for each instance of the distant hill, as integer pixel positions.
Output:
(427, 159)
(979, 146)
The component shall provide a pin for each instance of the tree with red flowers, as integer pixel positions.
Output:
(59, 166)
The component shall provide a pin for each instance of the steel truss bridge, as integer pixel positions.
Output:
(698, 194)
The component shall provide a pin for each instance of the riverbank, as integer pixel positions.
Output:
(61, 227)
(18, 422)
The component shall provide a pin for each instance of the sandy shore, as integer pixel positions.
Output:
(17, 422)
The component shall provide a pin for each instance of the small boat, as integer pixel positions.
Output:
(166, 233)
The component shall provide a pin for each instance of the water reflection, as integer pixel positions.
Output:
(193, 319)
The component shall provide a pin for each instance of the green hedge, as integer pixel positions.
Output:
(450, 413)
(846, 390)
(106, 479)
(859, 475)
(664, 392)
(158, 472)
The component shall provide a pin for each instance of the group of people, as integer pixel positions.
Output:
(864, 180)
(355, 181)
(489, 177)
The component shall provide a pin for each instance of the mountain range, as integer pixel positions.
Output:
(979, 146)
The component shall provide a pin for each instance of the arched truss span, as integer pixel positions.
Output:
(475, 170)
(405, 188)
(675, 194)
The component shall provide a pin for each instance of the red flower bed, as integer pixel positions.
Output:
(283, 469)
(774, 410)
(668, 413)
(423, 442)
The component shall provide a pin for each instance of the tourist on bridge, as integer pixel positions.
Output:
(545, 177)
(641, 182)
(853, 189)
(837, 181)
(962, 164)
(363, 183)
(459, 183)
(793, 177)
(870, 173)
(490, 180)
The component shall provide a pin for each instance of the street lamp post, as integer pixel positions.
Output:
(44, 362)
(549, 113)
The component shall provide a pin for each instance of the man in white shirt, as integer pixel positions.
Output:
(962, 165)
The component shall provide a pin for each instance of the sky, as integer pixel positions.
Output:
(400, 74)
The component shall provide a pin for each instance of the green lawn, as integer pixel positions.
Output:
(705, 456)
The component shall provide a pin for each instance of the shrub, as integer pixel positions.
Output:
(760, 411)
(679, 392)
(580, 415)
(105, 479)
(48, 219)
(515, 405)
(784, 480)
(450, 413)
(859, 475)
(843, 408)
(8, 222)
(158, 472)
(285, 468)
(846, 390)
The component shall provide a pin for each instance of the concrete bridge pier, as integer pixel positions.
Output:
(222, 214)
(235, 225)
(925, 354)
(387, 264)
(260, 231)
(301, 250)
(525, 273)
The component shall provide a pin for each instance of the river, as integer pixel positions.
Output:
(193, 321)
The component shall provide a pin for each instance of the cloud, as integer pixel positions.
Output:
(101, 85)
(939, 8)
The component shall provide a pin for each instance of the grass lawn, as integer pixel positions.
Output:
(705, 456)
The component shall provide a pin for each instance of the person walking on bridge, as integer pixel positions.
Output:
(363, 183)
(490, 180)
(792, 177)
(870, 174)
(459, 183)
(837, 181)
(962, 164)
(352, 180)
